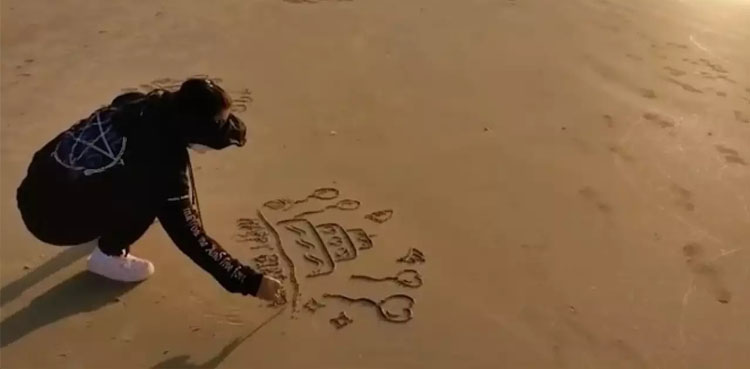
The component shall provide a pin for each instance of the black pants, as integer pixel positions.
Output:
(61, 215)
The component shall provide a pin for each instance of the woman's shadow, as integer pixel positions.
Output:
(14, 289)
(182, 361)
(82, 293)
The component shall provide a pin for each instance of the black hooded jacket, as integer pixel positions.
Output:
(112, 174)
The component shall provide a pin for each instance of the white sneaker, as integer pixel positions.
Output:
(120, 268)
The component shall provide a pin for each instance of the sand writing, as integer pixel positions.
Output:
(252, 230)
(268, 264)
(304, 248)
(290, 265)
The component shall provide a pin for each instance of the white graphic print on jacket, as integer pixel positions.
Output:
(91, 146)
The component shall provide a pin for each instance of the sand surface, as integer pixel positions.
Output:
(576, 174)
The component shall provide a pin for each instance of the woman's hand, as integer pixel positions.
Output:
(270, 289)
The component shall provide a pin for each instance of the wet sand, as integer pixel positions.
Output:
(576, 174)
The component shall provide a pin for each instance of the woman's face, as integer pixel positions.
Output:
(223, 115)
(225, 130)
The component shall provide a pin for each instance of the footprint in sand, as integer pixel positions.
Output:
(715, 67)
(690, 61)
(705, 272)
(568, 332)
(683, 197)
(621, 153)
(679, 46)
(675, 72)
(730, 155)
(741, 117)
(634, 57)
(707, 75)
(22, 68)
(657, 119)
(685, 86)
(591, 195)
(647, 93)
(726, 79)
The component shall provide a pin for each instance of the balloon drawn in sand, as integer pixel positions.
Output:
(406, 278)
(395, 308)
(298, 247)
(286, 203)
(345, 205)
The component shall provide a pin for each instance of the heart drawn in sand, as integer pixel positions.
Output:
(397, 308)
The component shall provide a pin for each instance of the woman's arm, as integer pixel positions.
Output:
(180, 220)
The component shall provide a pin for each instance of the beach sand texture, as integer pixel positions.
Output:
(574, 174)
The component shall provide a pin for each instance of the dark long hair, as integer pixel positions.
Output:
(179, 112)
(201, 98)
